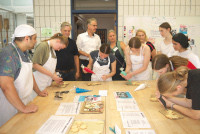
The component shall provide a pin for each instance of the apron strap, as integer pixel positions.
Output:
(17, 52)
(50, 55)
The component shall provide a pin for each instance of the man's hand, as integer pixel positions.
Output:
(30, 109)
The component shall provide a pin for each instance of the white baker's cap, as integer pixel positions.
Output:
(24, 30)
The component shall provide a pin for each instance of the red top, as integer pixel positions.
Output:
(190, 65)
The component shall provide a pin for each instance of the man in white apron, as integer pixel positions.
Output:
(16, 77)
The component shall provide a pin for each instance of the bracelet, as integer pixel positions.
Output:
(172, 106)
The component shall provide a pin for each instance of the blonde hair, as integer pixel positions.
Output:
(169, 81)
(65, 24)
(60, 37)
(111, 31)
(141, 30)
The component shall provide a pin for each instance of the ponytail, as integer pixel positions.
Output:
(60, 37)
(166, 25)
(181, 73)
(182, 39)
(169, 81)
(178, 61)
(161, 60)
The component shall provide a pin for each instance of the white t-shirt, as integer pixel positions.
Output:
(87, 44)
(194, 59)
(166, 49)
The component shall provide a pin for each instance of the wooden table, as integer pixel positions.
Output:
(30, 123)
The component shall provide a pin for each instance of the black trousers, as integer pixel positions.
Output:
(70, 76)
(85, 77)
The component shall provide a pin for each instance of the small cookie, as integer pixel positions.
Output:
(83, 126)
(170, 114)
(65, 82)
(74, 126)
(153, 98)
(97, 132)
(83, 132)
(136, 83)
(62, 86)
(78, 123)
(89, 84)
(74, 130)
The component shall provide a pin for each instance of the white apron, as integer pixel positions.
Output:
(100, 71)
(24, 87)
(137, 62)
(44, 80)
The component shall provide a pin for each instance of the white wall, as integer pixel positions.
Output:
(21, 19)
(50, 14)
(178, 8)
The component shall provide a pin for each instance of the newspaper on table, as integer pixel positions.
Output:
(123, 95)
(79, 98)
(68, 109)
(134, 120)
(150, 131)
(127, 105)
(56, 125)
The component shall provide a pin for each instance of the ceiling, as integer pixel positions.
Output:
(17, 6)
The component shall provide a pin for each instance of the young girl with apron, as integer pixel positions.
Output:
(100, 70)
(137, 62)
(44, 80)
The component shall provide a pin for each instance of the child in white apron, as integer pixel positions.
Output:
(100, 62)
(137, 60)
(45, 73)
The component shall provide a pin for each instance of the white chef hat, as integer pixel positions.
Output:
(23, 30)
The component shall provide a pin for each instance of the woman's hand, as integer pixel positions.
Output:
(43, 93)
(168, 103)
(56, 78)
(84, 71)
(104, 77)
(77, 75)
(127, 77)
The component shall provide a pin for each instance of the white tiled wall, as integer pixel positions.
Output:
(155, 8)
(50, 14)
(11, 17)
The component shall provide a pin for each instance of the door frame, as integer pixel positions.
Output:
(115, 12)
